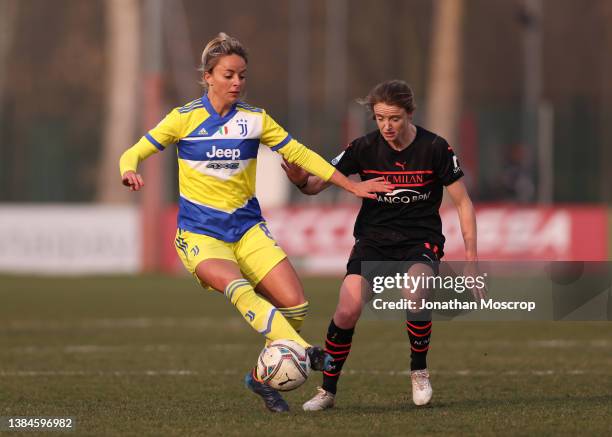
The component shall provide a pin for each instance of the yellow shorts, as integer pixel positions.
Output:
(256, 253)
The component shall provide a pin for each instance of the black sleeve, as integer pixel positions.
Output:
(446, 164)
(346, 162)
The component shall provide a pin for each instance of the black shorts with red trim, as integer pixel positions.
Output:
(426, 253)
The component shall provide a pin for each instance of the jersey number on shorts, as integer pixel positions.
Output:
(266, 231)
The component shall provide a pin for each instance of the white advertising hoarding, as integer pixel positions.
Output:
(66, 239)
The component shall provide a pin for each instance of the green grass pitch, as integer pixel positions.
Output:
(157, 356)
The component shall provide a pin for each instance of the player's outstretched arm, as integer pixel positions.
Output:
(306, 182)
(299, 154)
(310, 184)
(366, 189)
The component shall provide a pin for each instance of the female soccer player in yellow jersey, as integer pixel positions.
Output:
(222, 238)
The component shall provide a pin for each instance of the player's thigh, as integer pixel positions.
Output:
(423, 265)
(212, 262)
(354, 293)
(281, 286)
(218, 273)
(265, 265)
(420, 292)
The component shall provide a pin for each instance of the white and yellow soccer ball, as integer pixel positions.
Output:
(283, 365)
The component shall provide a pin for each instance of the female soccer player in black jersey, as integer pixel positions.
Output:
(403, 225)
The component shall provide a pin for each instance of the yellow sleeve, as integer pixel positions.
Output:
(275, 137)
(135, 154)
(167, 131)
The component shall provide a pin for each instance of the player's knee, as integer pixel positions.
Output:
(217, 279)
(293, 300)
(346, 317)
(417, 296)
(294, 293)
(416, 309)
(283, 298)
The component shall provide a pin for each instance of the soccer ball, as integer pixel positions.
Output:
(283, 365)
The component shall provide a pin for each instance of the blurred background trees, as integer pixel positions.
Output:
(71, 84)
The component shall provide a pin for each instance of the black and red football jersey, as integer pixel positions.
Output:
(410, 214)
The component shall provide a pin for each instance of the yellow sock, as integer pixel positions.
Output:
(260, 314)
(295, 316)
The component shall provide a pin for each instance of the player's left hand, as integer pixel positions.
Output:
(471, 270)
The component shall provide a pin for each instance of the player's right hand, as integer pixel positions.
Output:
(133, 180)
(370, 187)
(296, 174)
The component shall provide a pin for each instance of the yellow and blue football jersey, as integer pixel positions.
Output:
(217, 159)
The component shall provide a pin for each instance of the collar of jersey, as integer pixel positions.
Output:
(211, 111)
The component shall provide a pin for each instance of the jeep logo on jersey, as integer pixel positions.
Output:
(223, 153)
(403, 195)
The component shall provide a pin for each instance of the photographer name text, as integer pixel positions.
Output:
(453, 304)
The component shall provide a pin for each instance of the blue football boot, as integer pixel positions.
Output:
(272, 398)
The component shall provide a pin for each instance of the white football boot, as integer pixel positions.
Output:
(321, 401)
(421, 387)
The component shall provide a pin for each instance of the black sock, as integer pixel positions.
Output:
(419, 333)
(338, 345)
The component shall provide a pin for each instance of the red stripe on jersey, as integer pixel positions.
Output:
(412, 185)
(400, 172)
